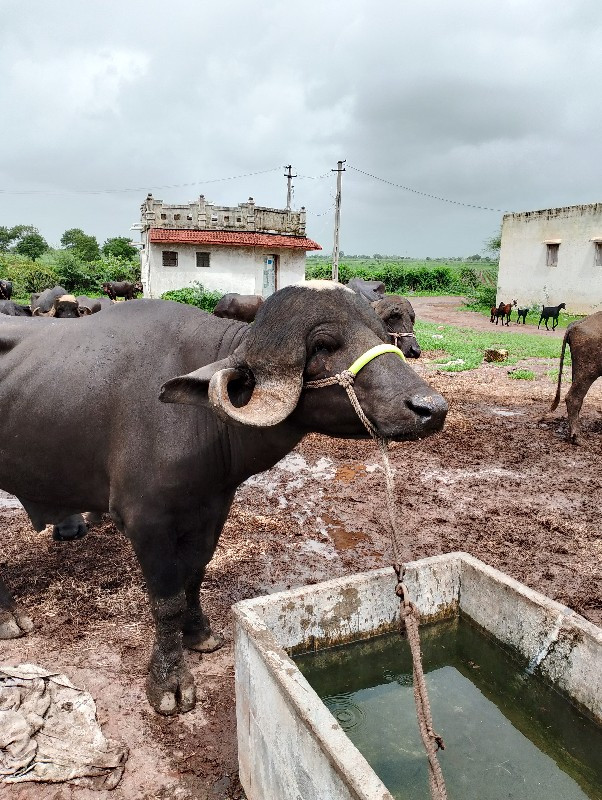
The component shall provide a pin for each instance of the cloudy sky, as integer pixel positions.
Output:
(492, 103)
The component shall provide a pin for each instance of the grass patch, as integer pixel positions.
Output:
(466, 347)
(522, 375)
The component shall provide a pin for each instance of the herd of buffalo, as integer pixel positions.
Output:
(155, 412)
(57, 302)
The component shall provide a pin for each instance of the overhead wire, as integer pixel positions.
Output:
(424, 194)
(138, 188)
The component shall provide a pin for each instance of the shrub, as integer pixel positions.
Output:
(469, 277)
(195, 295)
(27, 276)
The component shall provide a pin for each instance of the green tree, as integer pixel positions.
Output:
(9, 235)
(494, 244)
(119, 247)
(81, 244)
(31, 245)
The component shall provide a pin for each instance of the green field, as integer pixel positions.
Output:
(412, 276)
(467, 347)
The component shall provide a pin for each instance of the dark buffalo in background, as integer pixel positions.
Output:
(12, 309)
(398, 317)
(234, 404)
(584, 338)
(6, 289)
(93, 304)
(42, 302)
(243, 307)
(371, 290)
(115, 289)
(65, 306)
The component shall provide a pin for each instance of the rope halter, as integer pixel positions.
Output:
(347, 377)
(397, 336)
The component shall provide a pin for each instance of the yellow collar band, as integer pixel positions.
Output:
(374, 352)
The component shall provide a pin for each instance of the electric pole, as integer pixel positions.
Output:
(289, 190)
(337, 219)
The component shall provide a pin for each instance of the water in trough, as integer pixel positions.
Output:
(508, 734)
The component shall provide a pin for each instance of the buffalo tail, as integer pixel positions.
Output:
(557, 398)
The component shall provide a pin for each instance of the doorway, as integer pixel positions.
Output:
(270, 275)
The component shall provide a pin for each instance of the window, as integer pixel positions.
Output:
(170, 258)
(202, 259)
(163, 216)
(552, 255)
(176, 217)
(598, 256)
(239, 219)
(189, 218)
(226, 219)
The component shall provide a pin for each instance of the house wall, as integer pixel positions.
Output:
(524, 274)
(232, 269)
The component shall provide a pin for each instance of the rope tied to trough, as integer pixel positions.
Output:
(409, 614)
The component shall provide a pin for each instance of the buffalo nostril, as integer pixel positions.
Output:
(428, 406)
(414, 351)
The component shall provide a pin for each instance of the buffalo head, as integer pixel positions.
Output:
(64, 307)
(398, 318)
(308, 332)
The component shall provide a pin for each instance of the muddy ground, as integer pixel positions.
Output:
(496, 483)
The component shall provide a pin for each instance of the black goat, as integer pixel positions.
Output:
(550, 312)
(522, 314)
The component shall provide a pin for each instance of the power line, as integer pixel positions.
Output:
(137, 189)
(315, 177)
(425, 194)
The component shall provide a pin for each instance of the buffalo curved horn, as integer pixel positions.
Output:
(274, 398)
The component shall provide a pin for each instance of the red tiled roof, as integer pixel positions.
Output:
(233, 238)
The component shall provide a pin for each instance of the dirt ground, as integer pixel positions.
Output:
(496, 483)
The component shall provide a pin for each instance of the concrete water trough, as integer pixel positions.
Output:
(291, 747)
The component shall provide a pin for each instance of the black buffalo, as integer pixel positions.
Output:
(93, 304)
(398, 318)
(12, 309)
(125, 289)
(235, 403)
(6, 289)
(243, 307)
(42, 302)
(64, 306)
(371, 290)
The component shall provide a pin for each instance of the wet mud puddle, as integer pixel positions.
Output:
(507, 733)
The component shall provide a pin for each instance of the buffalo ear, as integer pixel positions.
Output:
(191, 389)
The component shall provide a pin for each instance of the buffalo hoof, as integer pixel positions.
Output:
(70, 529)
(204, 643)
(14, 624)
(176, 695)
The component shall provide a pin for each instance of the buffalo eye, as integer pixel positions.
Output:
(323, 346)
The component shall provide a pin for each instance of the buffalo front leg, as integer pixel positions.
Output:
(197, 548)
(197, 633)
(13, 623)
(169, 685)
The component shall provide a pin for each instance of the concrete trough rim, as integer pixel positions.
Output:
(343, 755)
(460, 571)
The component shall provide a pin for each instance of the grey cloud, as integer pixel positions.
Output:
(481, 102)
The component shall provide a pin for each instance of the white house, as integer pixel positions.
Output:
(247, 249)
(553, 256)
